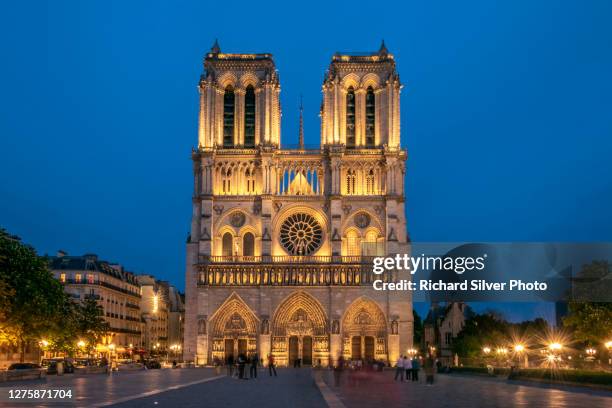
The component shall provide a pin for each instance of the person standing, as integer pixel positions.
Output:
(254, 362)
(271, 365)
(408, 367)
(416, 366)
(429, 367)
(399, 368)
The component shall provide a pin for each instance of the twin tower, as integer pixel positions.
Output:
(282, 239)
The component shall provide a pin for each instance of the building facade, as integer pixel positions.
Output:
(176, 321)
(279, 255)
(115, 289)
(442, 325)
(154, 306)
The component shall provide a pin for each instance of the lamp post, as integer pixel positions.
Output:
(608, 345)
(519, 349)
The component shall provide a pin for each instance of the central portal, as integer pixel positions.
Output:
(300, 347)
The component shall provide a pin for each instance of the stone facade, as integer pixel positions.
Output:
(115, 289)
(279, 255)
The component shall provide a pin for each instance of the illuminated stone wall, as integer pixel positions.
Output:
(280, 238)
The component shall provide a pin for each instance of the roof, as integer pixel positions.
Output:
(90, 262)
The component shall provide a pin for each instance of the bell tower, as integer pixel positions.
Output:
(239, 101)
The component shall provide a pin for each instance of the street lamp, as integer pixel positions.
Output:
(486, 350)
(555, 346)
(81, 344)
(519, 348)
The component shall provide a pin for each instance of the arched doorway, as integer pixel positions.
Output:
(234, 329)
(299, 331)
(364, 331)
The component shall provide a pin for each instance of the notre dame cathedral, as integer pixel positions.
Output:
(279, 260)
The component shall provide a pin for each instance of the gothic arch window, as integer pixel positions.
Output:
(350, 117)
(249, 117)
(370, 118)
(227, 244)
(248, 244)
(369, 184)
(226, 175)
(350, 181)
(249, 176)
(229, 101)
(353, 243)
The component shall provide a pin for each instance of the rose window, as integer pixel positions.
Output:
(301, 234)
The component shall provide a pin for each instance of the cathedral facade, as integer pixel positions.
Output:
(279, 259)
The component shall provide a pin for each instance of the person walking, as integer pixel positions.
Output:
(241, 365)
(408, 367)
(429, 367)
(254, 363)
(399, 368)
(271, 365)
(338, 371)
(230, 365)
(416, 366)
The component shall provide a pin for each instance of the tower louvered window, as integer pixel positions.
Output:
(350, 117)
(249, 117)
(229, 101)
(370, 117)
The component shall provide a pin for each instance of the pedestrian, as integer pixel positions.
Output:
(271, 365)
(254, 363)
(408, 367)
(241, 365)
(416, 366)
(338, 371)
(230, 365)
(399, 368)
(429, 366)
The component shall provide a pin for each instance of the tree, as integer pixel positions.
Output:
(590, 322)
(479, 331)
(35, 298)
(91, 325)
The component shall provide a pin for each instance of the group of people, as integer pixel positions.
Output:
(239, 364)
(410, 367)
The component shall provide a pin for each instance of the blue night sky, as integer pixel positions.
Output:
(506, 112)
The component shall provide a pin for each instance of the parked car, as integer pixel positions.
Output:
(152, 364)
(23, 366)
(51, 366)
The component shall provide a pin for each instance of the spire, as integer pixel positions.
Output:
(382, 51)
(215, 49)
(301, 136)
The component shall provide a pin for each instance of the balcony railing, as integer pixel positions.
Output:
(287, 271)
(289, 259)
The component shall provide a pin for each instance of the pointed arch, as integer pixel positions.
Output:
(364, 317)
(299, 311)
(234, 318)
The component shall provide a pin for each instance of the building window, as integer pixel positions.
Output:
(227, 244)
(350, 181)
(228, 117)
(249, 176)
(90, 278)
(249, 117)
(369, 185)
(248, 244)
(370, 117)
(78, 278)
(226, 175)
(63, 277)
(353, 243)
(350, 117)
(448, 339)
